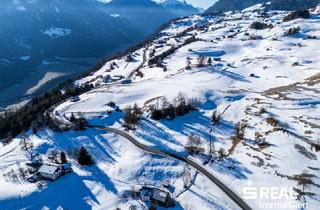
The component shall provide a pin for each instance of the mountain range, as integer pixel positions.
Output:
(180, 8)
(44, 42)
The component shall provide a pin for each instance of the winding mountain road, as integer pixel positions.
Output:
(144, 60)
(232, 195)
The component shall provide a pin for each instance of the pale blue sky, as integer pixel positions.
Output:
(202, 3)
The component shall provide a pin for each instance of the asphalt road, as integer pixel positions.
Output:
(232, 195)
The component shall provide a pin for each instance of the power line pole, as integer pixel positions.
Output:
(210, 141)
(211, 145)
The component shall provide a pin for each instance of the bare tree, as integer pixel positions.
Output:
(201, 61)
(194, 144)
(137, 110)
(240, 129)
(22, 172)
(27, 146)
(164, 103)
(188, 63)
(211, 145)
(53, 155)
(221, 154)
(132, 116)
(216, 116)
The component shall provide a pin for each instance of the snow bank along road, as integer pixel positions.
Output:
(237, 199)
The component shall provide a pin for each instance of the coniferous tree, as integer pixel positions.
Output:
(63, 158)
(84, 157)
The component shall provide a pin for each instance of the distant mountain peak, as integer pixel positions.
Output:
(180, 7)
(173, 2)
(131, 2)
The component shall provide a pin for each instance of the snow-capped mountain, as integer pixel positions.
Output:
(147, 13)
(142, 14)
(179, 7)
(237, 95)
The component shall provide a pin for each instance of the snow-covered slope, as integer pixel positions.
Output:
(270, 82)
(229, 5)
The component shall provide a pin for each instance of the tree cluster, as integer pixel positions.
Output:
(257, 25)
(78, 122)
(292, 31)
(58, 157)
(132, 116)
(32, 115)
(169, 111)
(157, 60)
(194, 145)
(129, 58)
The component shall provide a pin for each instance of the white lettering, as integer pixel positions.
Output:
(274, 192)
(249, 193)
(264, 193)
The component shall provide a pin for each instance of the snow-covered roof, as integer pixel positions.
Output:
(48, 169)
(159, 195)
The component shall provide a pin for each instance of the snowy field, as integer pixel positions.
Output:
(270, 82)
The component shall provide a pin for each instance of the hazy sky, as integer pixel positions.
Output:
(202, 3)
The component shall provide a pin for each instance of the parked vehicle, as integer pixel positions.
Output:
(75, 99)
(127, 81)
(66, 168)
(34, 178)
